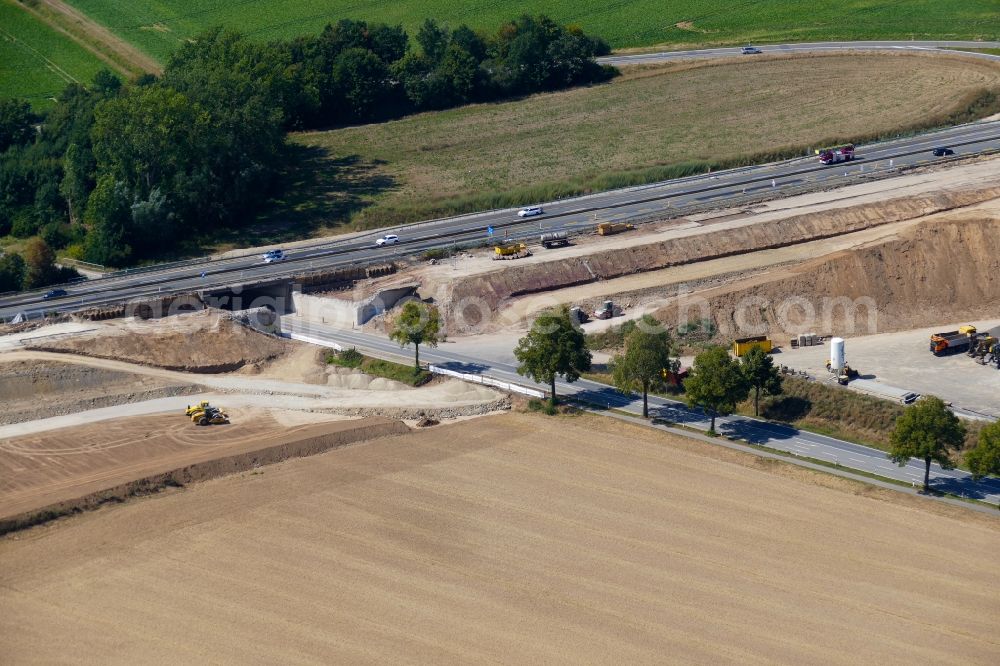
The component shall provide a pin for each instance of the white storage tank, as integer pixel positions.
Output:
(836, 353)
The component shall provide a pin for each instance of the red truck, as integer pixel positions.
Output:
(836, 154)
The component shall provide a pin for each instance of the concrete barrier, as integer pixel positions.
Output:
(488, 381)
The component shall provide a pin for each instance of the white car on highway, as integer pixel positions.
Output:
(272, 256)
(530, 211)
(389, 239)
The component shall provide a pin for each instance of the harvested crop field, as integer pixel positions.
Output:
(647, 125)
(81, 466)
(517, 539)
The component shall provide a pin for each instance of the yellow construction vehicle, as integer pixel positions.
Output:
(204, 414)
(609, 228)
(510, 251)
(200, 407)
(743, 345)
(982, 349)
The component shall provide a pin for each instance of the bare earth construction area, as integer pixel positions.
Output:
(516, 539)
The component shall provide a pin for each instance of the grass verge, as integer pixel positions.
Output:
(840, 413)
(406, 374)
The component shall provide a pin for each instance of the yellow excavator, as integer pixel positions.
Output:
(204, 414)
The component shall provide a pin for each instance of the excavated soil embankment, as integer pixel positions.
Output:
(942, 270)
(39, 389)
(493, 288)
(204, 343)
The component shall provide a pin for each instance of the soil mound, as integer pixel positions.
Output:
(39, 389)
(203, 343)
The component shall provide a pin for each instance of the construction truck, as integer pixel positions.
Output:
(204, 414)
(511, 251)
(610, 228)
(981, 349)
(844, 375)
(836, 154)
(951, 342)
(743, 345)
(607, 311)
(555, 239)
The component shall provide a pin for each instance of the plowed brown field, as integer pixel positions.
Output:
(63, 469)
(514, 539)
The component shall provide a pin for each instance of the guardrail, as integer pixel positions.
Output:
(79, 263)
(487, 381)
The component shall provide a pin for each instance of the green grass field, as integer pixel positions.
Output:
(158, 27)
(36, 62)
(647, 125)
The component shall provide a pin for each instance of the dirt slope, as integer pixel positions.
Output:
(202, 342)
(494, 288)
(514, 539)
(945, 269)
(32, 389)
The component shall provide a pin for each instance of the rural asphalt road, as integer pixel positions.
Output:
(750, 430)
(809, 47)
(720, 189)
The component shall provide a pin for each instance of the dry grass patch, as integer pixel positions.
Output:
(649, 124)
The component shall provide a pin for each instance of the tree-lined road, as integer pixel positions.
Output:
(753, 431)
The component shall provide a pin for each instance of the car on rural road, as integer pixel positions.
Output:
(55, 293)
(750, 50)
(530, 211)
(389, 239)
(272, 256)
(942, 151)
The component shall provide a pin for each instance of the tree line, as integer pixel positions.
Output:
(116, 173)
(555, 346)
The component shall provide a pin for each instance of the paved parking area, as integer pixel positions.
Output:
(902, 360)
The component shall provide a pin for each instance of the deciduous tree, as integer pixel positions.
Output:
(417, 324)
(15, 123)
(716, 383)
(554, 346)
(984, 457)
(927, 430)
(11, 272)
(647, 357)
(762, 376)
(40, 264)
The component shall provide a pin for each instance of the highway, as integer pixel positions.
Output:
(750, 430)
(804, 47)
(674, 197)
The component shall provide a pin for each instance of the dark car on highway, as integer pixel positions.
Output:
(55, 293)
(942, 151)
